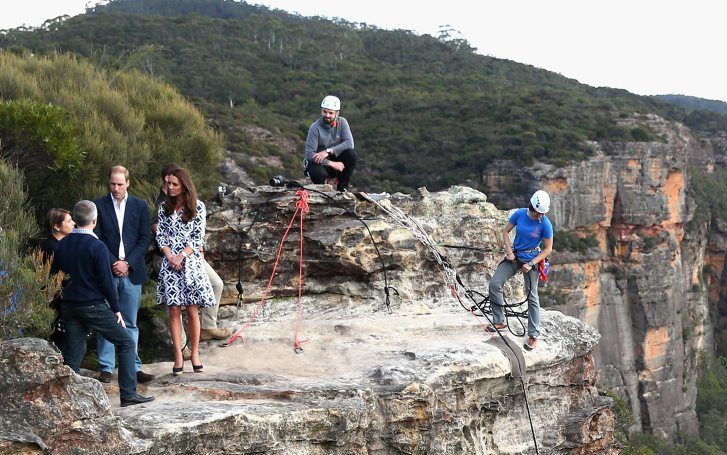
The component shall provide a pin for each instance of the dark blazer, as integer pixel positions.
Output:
(137, 233)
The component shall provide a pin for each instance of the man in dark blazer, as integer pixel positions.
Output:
(90, 301)
(123, 225)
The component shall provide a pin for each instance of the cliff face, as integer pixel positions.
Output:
(716, 256)
(642, 285)
(421, 379)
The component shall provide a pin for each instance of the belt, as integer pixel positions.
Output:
(527, 251)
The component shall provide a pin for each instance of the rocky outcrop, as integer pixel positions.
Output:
(47, 408)
(642, 285)
(422, 378)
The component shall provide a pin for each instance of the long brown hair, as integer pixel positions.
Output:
(188, 195)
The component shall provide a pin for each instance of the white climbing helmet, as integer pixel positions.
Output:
(540, 201)
(331, 102)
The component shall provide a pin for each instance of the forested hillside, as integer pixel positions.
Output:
(425, 111)
(693, 103)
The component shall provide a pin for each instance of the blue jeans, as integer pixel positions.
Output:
(79, 321)
(129, 303)
(504, 272)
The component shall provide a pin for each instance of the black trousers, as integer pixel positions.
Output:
(318, 173)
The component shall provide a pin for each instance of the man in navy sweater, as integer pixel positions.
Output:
(123, 225)
(87, 287)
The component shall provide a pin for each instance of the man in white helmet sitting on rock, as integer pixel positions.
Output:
(533, 230)
(329, 148)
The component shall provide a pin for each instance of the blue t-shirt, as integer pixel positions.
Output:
(528, 234)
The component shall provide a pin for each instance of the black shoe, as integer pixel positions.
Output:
(142, 377)
(135, 399)
(105, 377)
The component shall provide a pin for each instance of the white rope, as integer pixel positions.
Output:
(410, 224)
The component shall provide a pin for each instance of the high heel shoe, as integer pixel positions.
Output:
(176, 371)
(198, 368)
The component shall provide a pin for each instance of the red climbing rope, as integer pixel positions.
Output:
(300, 207)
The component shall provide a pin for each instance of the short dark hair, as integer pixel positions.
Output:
(84, 213)
(55, 217)
(168, 169)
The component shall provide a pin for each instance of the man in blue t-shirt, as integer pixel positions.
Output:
(532, 230)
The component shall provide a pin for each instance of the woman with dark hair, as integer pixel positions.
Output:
(183, 281)
(532, 228)
(60, 224)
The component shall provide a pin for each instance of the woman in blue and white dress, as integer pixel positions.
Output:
(183, 281)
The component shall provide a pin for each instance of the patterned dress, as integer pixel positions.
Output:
(191, 285)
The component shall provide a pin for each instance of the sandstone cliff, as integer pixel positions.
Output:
(421, 379)
(641, 283)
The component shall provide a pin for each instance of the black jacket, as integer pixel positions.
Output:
(137, 233)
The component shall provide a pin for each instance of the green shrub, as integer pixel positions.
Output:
(624, 418)
(571, 241)
(26, 285)
(708, 192)
(650, 243)
(712, 399)
(66, 123)
(551, 296)
(642, 134)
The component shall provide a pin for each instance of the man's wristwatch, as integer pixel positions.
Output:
(531, 264)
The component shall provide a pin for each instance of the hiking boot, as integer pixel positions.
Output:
(187, 354)
(495, 327)
(105, 377)
(531, 344)
(142, 377)
(214, 334)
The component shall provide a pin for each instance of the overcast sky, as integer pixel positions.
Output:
(644, 46)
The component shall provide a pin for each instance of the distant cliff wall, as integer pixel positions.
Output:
(639, 280)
